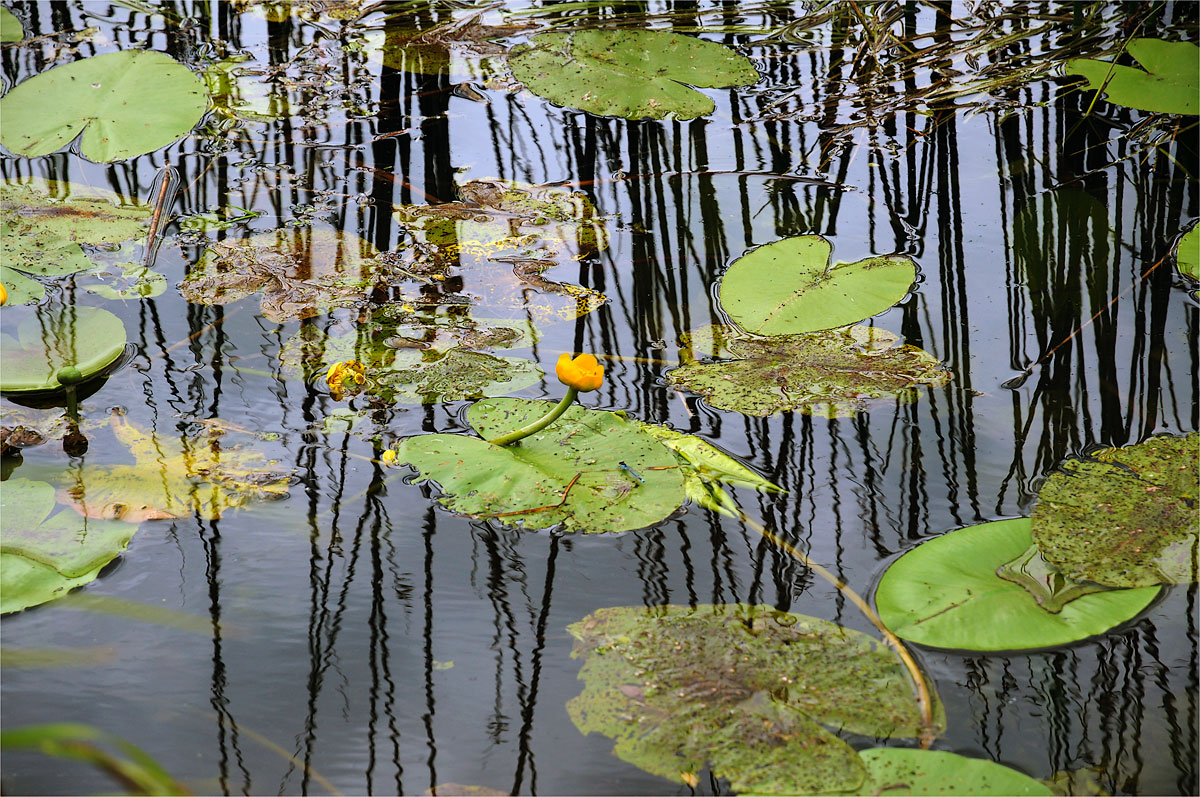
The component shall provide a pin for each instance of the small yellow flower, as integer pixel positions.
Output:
(583, 373)
(3, 295)
(388, 457)
(346, 371)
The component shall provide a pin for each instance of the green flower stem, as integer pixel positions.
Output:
(539, 424)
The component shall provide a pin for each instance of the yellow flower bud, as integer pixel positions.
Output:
(388, 457)
(583, 373)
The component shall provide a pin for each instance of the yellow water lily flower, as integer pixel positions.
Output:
(388, 457)
(583, 373)
(347, 371)
(3, 295)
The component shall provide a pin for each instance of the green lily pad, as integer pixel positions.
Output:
(1187, 254)
(50, 338)
(10, 27)
(833, 373)
(174, 477)
(302, 272)
(633, 74)
(945, 593)
(1127, 517)
(125, 104)
(745, 689)
(789, 287)
(21, 289)
(131, 281)
(42, 557)
(903, 771)
(43, 223)
(1168, 85)
(568, 474)
(706, 468)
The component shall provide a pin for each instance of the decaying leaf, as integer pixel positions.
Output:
(745, 689)
(301, 272)
(174, 477)
(833, 373)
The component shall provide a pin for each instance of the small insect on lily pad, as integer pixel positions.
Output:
(946, 593)
(632, 74)
(124, 104)
(833, 373)
(44, 556)
(47, 339)
(906, 771)
(1126, 517)
(569, 474)
(1168, 83)
(790, 286)
(743, 689)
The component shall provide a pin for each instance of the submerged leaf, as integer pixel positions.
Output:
(830, 373)
(742, 688)
(50, 338)
(302, 272)
(946, 593)
(790, 287)
(633, 74)
(905, 771)
(1169, 83)
(568, 474)
(125, 104)
(1127, 517)
(42, 557)
(174, 477)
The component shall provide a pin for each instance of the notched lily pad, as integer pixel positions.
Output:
(494, 246)
(745, 689)
(946, 593)
(49, 338)
(173, 477)
(905, 771)
(43, 556)
(1169, 83)
(19, 288)
(1127, 517)
(302, 272)
(633, 74)
(834, 373)
(568, 474)
(790, 287)
(43, 225)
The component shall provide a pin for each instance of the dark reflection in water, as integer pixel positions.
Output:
(379, 644)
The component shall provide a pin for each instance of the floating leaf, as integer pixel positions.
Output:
(1168, 85)
(50, 338)
(789, 287)
(904, 771)
(174, 477)
(42, 556)
(134, 281)
(1187, 254)
(707, 468)
(633, 74)
(945, 593)
(494, 246)
(125, 104)
(568, 474)
(831, 373)
(1127, 517)
(742, 688)
(43, 223)
(10, 27)
(302, 272)
(20, 289)
(1045, 582)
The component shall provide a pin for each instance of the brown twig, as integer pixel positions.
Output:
(543, 508)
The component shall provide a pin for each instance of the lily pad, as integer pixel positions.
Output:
(10, 27)
(789, 287)
(42, 557)
(945, 593)
(1127, 517)
(43, 224)
(633, 74)
(706, 468)
(568, 474)
(745, 689)
(1169, 83)
(1187, 254)
(174, 477)
(302, 272)
(904, 771)
(124, 104)
(494, 246)
(20, 289)
(833, 373)
(50, 338)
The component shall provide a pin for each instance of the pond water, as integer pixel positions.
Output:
(358, 637)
